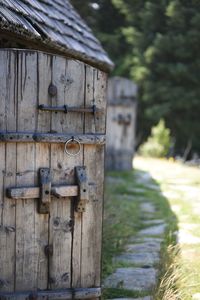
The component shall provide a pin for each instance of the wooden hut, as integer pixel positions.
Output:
(53, 77)
(121, 123)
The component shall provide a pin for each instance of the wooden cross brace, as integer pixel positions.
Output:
(45, 191)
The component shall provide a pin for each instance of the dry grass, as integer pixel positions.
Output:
(175, 196)
(180, 264)
(171, 276)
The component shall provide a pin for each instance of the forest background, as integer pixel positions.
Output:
(156, 43)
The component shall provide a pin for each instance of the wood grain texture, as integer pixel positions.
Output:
(42, 160)
(68, 78)
(94, 160)
(27, 243)
(7, 171)
(34, 192)
(24, 234)
(4, 274)
(64, 294)
(65, 191)
(75, 97)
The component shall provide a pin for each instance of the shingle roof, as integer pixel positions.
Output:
(53, 24)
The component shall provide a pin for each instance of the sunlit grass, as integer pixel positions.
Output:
(123, 218)
(168, 188)
(180, 184)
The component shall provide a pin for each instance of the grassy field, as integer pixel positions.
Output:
(174, 190)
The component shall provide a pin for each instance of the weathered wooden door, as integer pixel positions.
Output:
(42, 102)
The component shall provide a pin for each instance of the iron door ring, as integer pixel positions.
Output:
(73, 140)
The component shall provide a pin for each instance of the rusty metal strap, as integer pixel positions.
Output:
(65, 294)
(20, 137)
(65, 108)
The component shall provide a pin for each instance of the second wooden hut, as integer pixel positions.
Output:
(121, 123)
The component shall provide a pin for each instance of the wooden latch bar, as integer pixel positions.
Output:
(46, 190)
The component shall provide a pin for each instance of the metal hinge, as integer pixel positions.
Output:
(82, 181)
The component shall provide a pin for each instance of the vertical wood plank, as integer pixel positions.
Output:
(5, 254)
(76, 72)
(27, 244)
(44, 69)
(100, 87)
(94, 160)
(68, 78)
(42, 160)
(10, 172)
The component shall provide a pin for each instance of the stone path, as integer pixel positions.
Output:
(180, 185)
(138, 264)
(144, 298)
(141, 257)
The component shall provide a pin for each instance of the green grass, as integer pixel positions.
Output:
(122, 293)
(123, 219)
(179, 276)
(180, 264)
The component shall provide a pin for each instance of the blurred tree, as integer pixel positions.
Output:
(156, 43)
(166, 63)
(107, 22)
(158, 143)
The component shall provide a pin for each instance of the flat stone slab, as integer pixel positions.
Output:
(144, 239)
(138, 190)
(144, 247)
(133, 279)
(153, 222)
(138, 197)
(147, 207)
(143, 177)
(153, 230)
(139, 258)
(152, 186)
(144, 298)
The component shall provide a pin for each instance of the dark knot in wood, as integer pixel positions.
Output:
(48, 250)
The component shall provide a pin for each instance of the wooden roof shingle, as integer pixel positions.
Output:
(52, 25)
